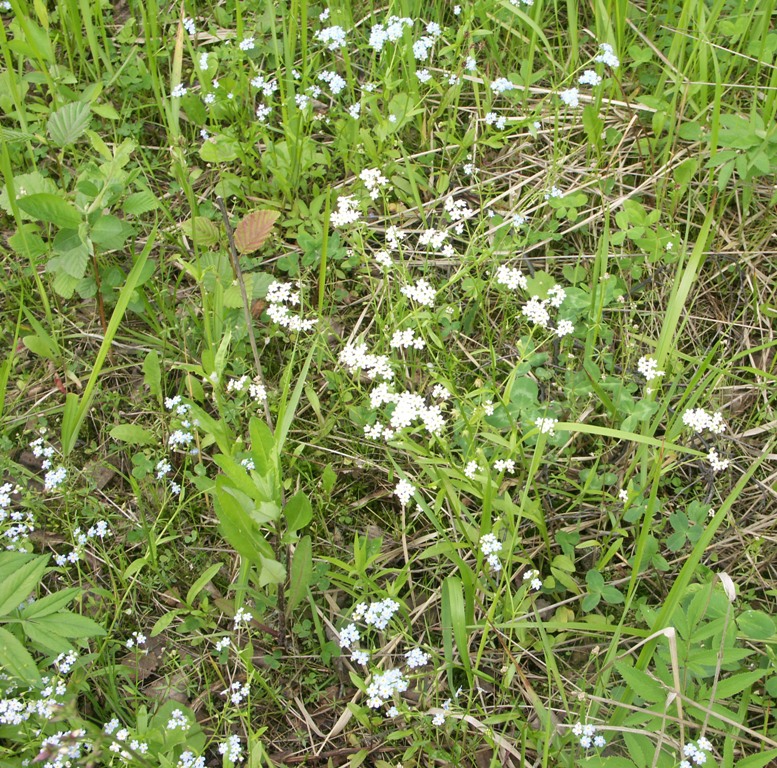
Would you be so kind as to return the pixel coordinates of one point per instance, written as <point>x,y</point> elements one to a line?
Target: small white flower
<point>648,367</point>
<point>404,491</point>
<point>570,97</point>
<point>471,469</point>
<point>546,426</point>
<point>589,77</point>
<point>348,636</point>
<point>416,658</point>
<point>607,56</point>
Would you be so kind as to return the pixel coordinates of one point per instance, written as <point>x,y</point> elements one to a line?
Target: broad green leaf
<point>202,231</point>
<point>219,149</point>
<point>51,603</point>
<point>65,285</point>
<point>52,209</point>
<point>298,511</point>
<point>454,623</point>
<point>15,659</point>
<point>140,202</point>
<point>72,264</point>
<point>28,243</point>
<point>44,640</point>
<point>301,573</point>
<point>254,228</point>
<point>152,373</point>
<point>10,562</point>
<point>756,625</point>
<point>270,571</point>
<point>198,585</point>
<point>17,586</point>
<point>69,624</point>
<point>25,185</point>
<point>110,232</point>
<point>68,123</point>
<point>41,346</point>
<point>132,434</point>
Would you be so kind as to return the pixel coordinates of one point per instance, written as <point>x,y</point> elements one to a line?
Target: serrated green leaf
<point>15,659</point>
<point>757,761</point>
<point>67,124</point>
<point>110,232</point>
<point>51,209</point>
<point>730,686</point>
<point>17,586</point>
<point>140,202</point>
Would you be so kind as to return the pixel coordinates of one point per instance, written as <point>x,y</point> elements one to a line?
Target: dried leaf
<point>254,229</point>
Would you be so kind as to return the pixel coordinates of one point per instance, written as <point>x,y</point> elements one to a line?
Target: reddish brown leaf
<point>254,229</point>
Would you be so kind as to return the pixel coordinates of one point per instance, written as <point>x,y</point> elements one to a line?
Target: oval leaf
<point>133,434</point>
<point>15,659</point>
<point>51,208</point>
<point>254,229</point>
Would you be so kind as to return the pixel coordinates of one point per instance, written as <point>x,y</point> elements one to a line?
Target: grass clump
<point>387,386</point>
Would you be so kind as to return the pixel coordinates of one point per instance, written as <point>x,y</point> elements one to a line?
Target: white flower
<point>488,407</point>
<point>404,491</point>
<point>607,56</point>
<point>422,292</point>
<point>392,712</point>
<point>718,464</point>
<point>536,311</point>
<point>470,469</point>
<point>570,97</point>
<point>489,544</point>
<point>506,465</point>
<point>501,85</point>
<point>348,636</point>
<point>247,44</point>
<point>189,25</point>
<point>416,658</point>
<point>355,110</point>
<point>439,392</point>
<point>406,339</point>
<point>242,617</point>
<point>178,91</point>
<point>422,47</point>
<point>373,179</point>
<point>648,367</point>
<point>546,426</point>
<point>623,495</point>
<point>439,719</point>
<point>699,420</point>
<point>564,328</point>
<point>423,75</point>
<point>512,278</point>
<point>355,357</point>
<point>470,64</point>
<point>347,212</point>
<point>332,37</point>
<point>360,657</point>
<point>589,77</point>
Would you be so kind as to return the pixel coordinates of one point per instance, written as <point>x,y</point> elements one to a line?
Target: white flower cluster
<point>512,278</point>
<point>238,692</point>
<point>718,464</point>
<point>335,82</point>
<point>355,357</point>
<point>589,77</point>
<point>439,392</point>
<point>588,736</point>
<point>232,749</point>
<point>648,367</point>
<point>242,616</point>
<point>490,546</point>
<point>256,389</point>
<point>377,614</point>
<point>505,465</point>
<point>347,212</point>
<point>425,43</point>
<point>408,408</point>
<point>422,292</point>
<point>501,85</point>
<point>570,97</point>
<point>439,717</point>
<point>190,760</point>
<point>698,420</point>
<point>267,87</point>
<point>471,469</point>
<point>190,26</point>
<point>177,721</point>
<point>416,658</point>
<point>434,238</point>
<point>390,32</point>
<point>497,120</point>
<point>99,529</point>
<point>373,179</point>
<point>65,662</point>
<point>247,44</point>
<point>384,685</point>
<point>406,339</point>
<point>404,491</point>
<point>607,56</point>
<point>137,639</point>
<point>546,426</point>
<point>360,657</point>
<point>332,37</point>
<point>696,754</point>
<point>458,211</point>
<point>533,577</point>
<point>278,296</point>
